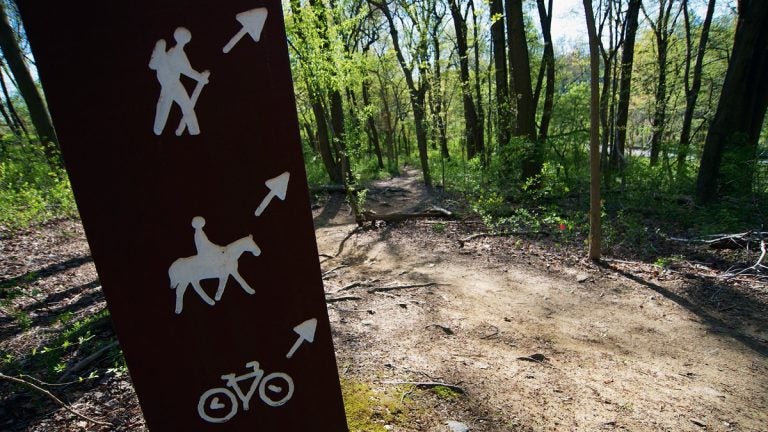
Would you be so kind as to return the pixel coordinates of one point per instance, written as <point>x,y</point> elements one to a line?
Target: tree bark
<point>38,113</point>
<point>662,30</point>
<point>522,92</point>
<point>595,237</point>
<point>728,161</point>
<point>692,91</point>
<point>548,65</point>
<point>417,94</point>
<point>473,130</point>
<point>503,102</point>
<point>373,133</point>
<point>438,96</point>
<point>479,132</point>
<point>625,84</point>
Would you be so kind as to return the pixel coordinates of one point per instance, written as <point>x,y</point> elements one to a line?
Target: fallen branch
<point>757,266</point>
<point>52,397</point>
<point>427,385</point>
<point>501,234</point>
<point>434,212</point>
<point>333,270</point>
<point>329,188</point>
<point>350,286</point>
<point>347,237</point>
<point>445,329</point>
<point>398,287</point>
<point>726,241</point>
<point>82,364</point>
<point>342,298</point>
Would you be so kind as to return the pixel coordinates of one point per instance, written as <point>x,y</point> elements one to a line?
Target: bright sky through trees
<point>568,25</point>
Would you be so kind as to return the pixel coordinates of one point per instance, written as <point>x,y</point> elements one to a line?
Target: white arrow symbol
<point>306,332</point>
<point>278,187</point>
<point>252,22</point>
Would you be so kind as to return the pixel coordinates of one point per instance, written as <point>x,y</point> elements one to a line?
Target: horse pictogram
<point>211,262</point>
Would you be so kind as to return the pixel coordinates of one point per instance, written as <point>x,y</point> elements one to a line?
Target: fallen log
<point>434,212</point>
<point>427,385</point>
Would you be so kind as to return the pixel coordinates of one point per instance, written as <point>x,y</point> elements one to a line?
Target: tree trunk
<point>438,95</point>
<point>339,135</point>
<point>548,64</point>
<point>479,134</point>
<point>595,237</point>
<point>38,113</point>
<point>324,143</point>
<point>520,66</point>
<point>473,130</point>
<point>503,103</point>
<point>417,95</point>
<point>728,161</point>
<point>692,92</point>
<point>625,84</point>
<point>373,133</point>
<point>662,29</point>
<point>12,116</point>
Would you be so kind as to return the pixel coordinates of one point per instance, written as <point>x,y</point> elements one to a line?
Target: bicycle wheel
<point>210,402</point>
<point>273,392</point>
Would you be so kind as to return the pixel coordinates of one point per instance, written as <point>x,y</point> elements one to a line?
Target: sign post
<point>178,127</point>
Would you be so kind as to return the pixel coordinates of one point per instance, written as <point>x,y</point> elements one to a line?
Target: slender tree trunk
<point>520,66</point>
<point>438,95</point>
<point>390,128</point>
<point>605,97</point>
<point>692,92</point>
<point>473,130</point>
<point>595,238</point>
<point>662,30</point>
<point>548,64</point>
<point>10,115</point>
<point>324,143</point>
<point>503,102</point>
<point>479,135</point>
<point>625,84</point>
<point>728,161</point>
<point>417,94</point>
<point>373,133</point>
<point>38,113</point>
<point>339,134</point>
<point>326,136</point>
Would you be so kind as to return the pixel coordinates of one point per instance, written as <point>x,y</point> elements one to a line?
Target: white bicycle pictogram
<point>275,389</point>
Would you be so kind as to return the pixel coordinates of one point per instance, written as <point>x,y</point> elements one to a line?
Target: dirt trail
<point>620,352</point>
<point>537,337</point>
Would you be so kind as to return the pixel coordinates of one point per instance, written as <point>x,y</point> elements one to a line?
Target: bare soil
<point>535,336</point>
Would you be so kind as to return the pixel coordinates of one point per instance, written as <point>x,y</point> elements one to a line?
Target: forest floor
<point>522,331</point>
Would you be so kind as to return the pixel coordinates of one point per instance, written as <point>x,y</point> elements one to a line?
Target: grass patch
<point>444,392</point>
<point>370,410</point>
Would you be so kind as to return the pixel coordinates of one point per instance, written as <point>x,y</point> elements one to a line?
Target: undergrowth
<point>31,191</point>
<point>641,209</point>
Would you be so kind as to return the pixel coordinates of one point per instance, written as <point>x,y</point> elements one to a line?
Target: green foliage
<point>13,289</point>
<point>77,335</point>
<point>316,173</point>
<point>447,393</point>
<point>31,191</point>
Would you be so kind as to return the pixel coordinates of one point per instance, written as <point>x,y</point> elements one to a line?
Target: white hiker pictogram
<point>170,65</point>
<point>211,262</point>
<point>252,22</point>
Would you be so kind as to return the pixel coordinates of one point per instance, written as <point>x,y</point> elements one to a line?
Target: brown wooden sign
<point>178,127</point>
